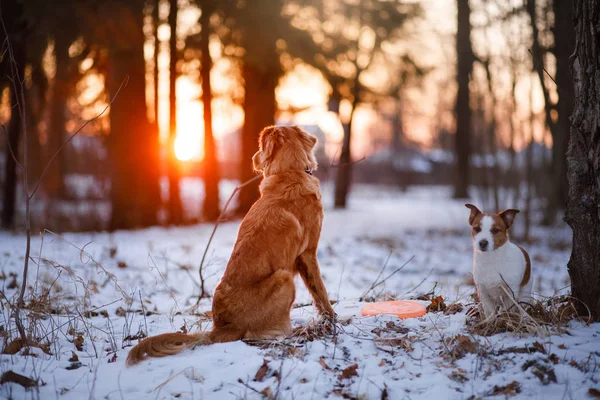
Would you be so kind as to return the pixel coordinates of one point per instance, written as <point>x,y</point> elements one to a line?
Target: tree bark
<point>465,58</point>
<point>210,209</point>
<point>583,158</point>
<point>174,173</point>
<point>132,143</point>
<point>259,112</point>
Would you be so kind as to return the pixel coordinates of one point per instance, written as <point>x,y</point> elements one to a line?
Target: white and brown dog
<point>500,268</point>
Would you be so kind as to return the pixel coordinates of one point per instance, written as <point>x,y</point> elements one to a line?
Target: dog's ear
<point>270,141</point>
<point>474,213</point>
<point>306,137</point>
<point>508,216</point>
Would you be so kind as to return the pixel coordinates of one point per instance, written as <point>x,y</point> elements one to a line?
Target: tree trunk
<point>9,197</point>
<point>564,44</point>
<point>210,208</point>
<point>133,144</point>
<point>583,157</point>
<point>259,112</point>
<point>342,184</point>
<point>156,22</point>
<point>54,182</point>
<point>175,207</point>
<point>464,56</point>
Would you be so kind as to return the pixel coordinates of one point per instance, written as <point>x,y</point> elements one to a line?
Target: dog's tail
<point>164,345</point>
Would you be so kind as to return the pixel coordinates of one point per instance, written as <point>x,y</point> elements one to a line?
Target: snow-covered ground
<point>120,284</point>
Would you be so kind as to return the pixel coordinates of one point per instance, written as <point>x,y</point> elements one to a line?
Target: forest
<point>127,135</point>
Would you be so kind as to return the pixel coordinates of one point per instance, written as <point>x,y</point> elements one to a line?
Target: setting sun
<point>190,131</point>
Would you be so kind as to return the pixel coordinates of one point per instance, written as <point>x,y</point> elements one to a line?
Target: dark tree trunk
<point>464,56</point>
<point>210,209</point>
<point>9,197</point>
<point>259,112</point>
<point>156,22</point>
<point>132,143</point>
<point>342,184</point>
<point>175,208</point>
<point>583,157</point>
<point>54,181</point>
<point>564,44</point>
<point>11,13</point>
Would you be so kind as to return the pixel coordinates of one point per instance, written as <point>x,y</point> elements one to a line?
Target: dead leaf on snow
<point>389,344</point>
<point>453,309</point>
<point>349,372</point>
<point>459,375</point>
<point>10,376</point>
<point>512,389</point>
<point>262,371</point>
<point>78,342</point>
<point>16,345</point>
<point>595,393</point>
<point>540,347</point>
<point>437,304</point>
<point>267,392</point>
<point>323,363</point>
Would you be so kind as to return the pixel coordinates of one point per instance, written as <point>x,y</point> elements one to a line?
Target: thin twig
<point>221,218</point>
<point>544,68</point>
<point>123,84</point>
<point>378,276</point>
<point>350,163</point>
<point>390,275</point>
<point>23,116</point>
<point>144,311</point>
<point>12,153</point>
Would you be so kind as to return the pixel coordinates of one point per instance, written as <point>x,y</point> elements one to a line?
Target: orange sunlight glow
<point>189,141</point>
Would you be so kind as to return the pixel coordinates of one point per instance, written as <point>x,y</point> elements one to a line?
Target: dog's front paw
<point>328,322</point>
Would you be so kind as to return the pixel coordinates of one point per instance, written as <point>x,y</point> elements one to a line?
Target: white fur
<point>497,272</point>
<point>486,226</point>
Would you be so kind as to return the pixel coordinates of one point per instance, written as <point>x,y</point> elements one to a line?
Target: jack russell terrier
<point>500,268</point>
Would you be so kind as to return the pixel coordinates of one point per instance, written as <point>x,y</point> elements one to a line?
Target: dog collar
<point>308,171</point>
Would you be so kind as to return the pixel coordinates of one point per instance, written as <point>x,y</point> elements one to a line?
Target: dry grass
<point>544,316</point>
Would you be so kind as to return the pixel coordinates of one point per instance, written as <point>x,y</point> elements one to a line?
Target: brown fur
<point>527,274</point>
<point>499,231</point>
<point>277,239</point>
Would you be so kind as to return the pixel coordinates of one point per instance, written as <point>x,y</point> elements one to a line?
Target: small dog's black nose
<point>483,244</point>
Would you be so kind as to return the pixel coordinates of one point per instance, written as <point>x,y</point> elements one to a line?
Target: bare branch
<point>123,84</point>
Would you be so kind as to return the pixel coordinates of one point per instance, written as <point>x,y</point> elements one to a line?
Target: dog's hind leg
<point>272,301</point>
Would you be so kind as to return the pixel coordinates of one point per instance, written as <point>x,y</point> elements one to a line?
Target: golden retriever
<point>277,239</point>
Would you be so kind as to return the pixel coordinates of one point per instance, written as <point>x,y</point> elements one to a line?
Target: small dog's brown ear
<point>474,212</point>
<point>508,216</point>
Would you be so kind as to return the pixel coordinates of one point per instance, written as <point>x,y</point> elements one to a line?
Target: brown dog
<point>277,239</point>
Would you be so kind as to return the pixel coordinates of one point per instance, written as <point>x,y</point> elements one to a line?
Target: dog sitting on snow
<point>501,270</point>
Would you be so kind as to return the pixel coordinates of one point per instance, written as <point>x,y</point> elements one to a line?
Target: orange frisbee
<point>400,308</point>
